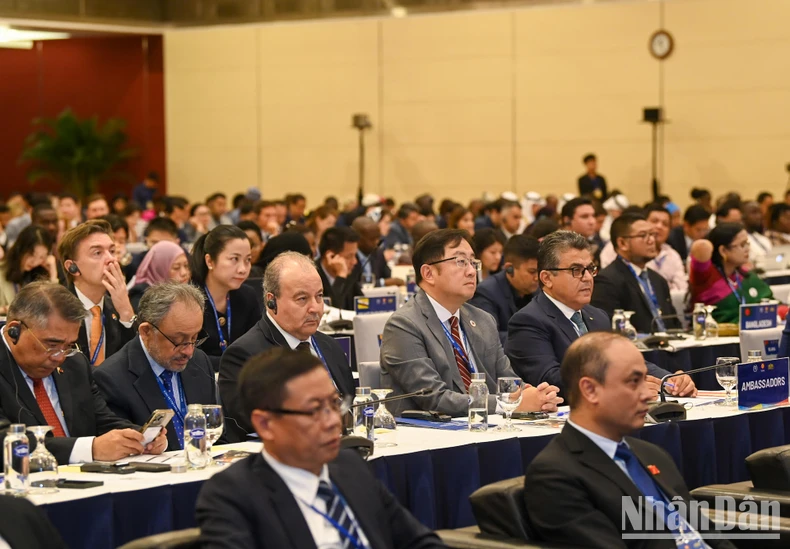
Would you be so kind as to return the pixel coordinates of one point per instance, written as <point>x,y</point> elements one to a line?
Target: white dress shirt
<point>304,487</point>
<point>292,341</point>
<point>760,245</point>
<point>88,304</point>
<point>82,451</point>
<point>667,263</point>
<point>567,311</point>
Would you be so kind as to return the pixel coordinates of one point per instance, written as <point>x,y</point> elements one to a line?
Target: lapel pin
<point>114,316</point>
<point>472,324</point>
<point>60,370</point>
<point>653,470</point>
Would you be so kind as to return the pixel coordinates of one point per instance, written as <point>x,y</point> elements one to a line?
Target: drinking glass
<point>629,331</point>
<point>43,466</point>
<point>509,391</point>
<point>727,376</point>
<point>215,424</point>
<point>368,281</point>
<point>383,421</point>
<point>711,326</point>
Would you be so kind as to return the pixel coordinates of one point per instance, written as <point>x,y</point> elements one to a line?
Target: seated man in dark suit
<point>512,288</point>
<point>162,368</point>
<point>88,254</point>
<point>370,255</point>
<point>540,333</point>
<point>300,491</point>
<point>696,225</point>
<point>437,340</point>
<point>338,249</point>
<point>400,231</point>
<point>579,488</point>
<point>45,380</point>
<point>628,284</point>
<point>23,525</point>
<point>294,306</point>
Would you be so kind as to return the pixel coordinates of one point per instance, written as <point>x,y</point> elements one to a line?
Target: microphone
<point>731,362</point>
<point>370,256</point>
<point>674,331</point>
<point>342,323</point>
<point>421,392</point>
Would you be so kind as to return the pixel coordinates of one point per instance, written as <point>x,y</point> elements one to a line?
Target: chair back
<point>370,375</point>
<point>764,340</point>
<point>367,332</point>
<point>179,539</point>
<point>500,510</point>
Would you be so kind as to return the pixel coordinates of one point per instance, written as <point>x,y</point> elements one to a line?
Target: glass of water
<point>215,424</point>
<point>509,391</point>
<point>727,376</point>
<point>368,281</point>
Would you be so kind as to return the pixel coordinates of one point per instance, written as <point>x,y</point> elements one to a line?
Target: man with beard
<point>294,299</point>
<point>162,367</point>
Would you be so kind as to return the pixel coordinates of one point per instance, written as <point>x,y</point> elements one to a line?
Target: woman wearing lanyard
<point>719,272</point>
<point>220,265</point>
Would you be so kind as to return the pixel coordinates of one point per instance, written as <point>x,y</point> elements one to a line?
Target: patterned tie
<point>96,332</point>
<point>337,510</point>
<point>654,310</point>
<point>461,359</point>
<point>577,320</point>
<point>178,423</point>
<point>46,408</point>
<point>304,347</point>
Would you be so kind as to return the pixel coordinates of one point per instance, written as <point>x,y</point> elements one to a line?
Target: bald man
<point>370,255</point>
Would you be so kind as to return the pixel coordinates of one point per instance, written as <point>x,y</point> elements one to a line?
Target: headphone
<point>14,331</point>
<point>73,268</point>
<point>510,270</point>
<point>272,304</point>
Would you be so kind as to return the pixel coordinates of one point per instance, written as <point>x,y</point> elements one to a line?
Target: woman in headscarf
<point>164,261</point>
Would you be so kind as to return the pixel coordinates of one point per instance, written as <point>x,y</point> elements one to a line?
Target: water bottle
<point>699,316</point>
<point>754,356</point>
<point>618,321</point>
<point>16,459</point>
<point>195,437</point>
<point>478,403</point>
<point>363,415</point>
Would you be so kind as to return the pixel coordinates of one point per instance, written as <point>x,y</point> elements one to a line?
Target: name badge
<point>763,384</point>
<point>758,317</point>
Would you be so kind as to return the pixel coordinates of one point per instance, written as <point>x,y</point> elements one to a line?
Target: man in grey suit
<point>437,340</point>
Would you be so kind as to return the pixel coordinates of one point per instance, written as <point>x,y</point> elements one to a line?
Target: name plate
<point>763,384</point>
<point>380,304</point>
<point>758,317</point>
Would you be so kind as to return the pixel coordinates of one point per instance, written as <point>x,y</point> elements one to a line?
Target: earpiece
<point>510,270</point>
<point>14,331</point>
<point>73,269</point>
<point>271,304</point>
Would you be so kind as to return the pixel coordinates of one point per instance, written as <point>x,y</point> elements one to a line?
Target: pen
<point>562,414</point>
<point>670,385</point>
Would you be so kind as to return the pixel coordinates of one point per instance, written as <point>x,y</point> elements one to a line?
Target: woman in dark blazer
<point>221,261</point>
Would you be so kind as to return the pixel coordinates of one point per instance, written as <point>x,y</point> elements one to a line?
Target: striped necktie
<point>461,358</point>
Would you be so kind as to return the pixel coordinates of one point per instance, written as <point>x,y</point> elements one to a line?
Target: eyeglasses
<point>461,261</point>
<point>643,236</point>
<point>577,271</point>
<point>183,346</point>
<point>55,352</point>
<point>337,405</point>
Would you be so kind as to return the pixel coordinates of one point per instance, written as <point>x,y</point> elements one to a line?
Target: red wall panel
<point>109,77</point>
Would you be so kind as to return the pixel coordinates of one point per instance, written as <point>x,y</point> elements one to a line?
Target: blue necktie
<point>644,281</point>
<point>176,422</point>
<point>337,510</point>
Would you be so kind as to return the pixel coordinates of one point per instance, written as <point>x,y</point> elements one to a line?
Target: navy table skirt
<point>695,357</point>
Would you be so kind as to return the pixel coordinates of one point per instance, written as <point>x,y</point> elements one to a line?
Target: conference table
<point>431,471</point>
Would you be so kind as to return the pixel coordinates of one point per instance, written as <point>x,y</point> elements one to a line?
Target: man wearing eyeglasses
<point>46,380</point>
<point>540,333</point>
<point>628,284</point>
<point>437,340</point>
<point>162,367</point>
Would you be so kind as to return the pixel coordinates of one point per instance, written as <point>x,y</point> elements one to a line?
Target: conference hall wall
<point>486,100</point>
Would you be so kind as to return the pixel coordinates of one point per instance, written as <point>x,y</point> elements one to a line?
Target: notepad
<point>449,426</point>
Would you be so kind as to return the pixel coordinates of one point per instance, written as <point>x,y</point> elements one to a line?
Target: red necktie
<point>461,358</point>
<point>46,408</point>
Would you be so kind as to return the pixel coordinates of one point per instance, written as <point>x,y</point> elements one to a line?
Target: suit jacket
<point>539,335</point>
<point>25,526</point>
<point>84,410</point>
<point>245,312</point>
<point>616,287</point>
<point>398,235</point>
<point>494,295</point>
<point>587,186</point>
<point>378,266</point>
<point>116,334</point>
<point>263,336</point>
<point>573,492</point>
<point>416,354</point>
<point>136,294</point>
<point>130,389</point>
<point>249,506</point>
<point>343,290</point>
<point>677,239</point>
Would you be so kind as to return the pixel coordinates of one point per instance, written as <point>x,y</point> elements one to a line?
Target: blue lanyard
<point>98,345</point>
<point>181,411</point>
<point>321,357</point>
<point>223,344</point>
<point>647,287</point>
<point>355,541</point>
<point>736,288</point>
<point>461,352</point>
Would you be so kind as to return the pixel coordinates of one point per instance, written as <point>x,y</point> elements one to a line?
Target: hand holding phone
<point>155,423</point>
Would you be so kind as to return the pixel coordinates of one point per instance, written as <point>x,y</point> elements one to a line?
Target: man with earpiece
<point>294,299</point>
<point>45,380</point>
<point>88,254</point>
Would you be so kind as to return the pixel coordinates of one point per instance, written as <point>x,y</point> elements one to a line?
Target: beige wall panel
<point>214,128</point>
<point>318,85</point>
<point>312,125</point>
<point>318,43</point>
<point>198,172</point>
<point>210,48</point>
<point>211,90</point>
<point>446,80</point>
<point>724,22</point>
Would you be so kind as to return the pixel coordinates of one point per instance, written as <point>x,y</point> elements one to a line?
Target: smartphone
<point>111,468</point>
<point>152,427</point>
<point>78,484</point>
<point>530,415</point>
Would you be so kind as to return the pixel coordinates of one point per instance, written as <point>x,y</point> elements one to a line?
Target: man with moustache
<point>294,300</point>
<point>162,367</point>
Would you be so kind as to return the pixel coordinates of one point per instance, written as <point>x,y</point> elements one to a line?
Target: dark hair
<point>431,247</point>
<point>164,224</point>
<point>544,226</point>
<point>763,195</point>
<point>484,238</point>
<point>294,198</point>
<point>67,248</point>
<point>694,214</point>
<point>41,208</point>
<point>777,210</point>
<point>238,197</point>
<point>116,223</point>
<point>586,357</point>
<point>194,208</point>
<point>724,209</point>
<point>260,205</point>
<point>335,238</point>
<point>569,209</point>
<point>215,196</point>
<point>130,208</point>
<point>38,300</point>
<point>212,243</point>
<point>321,212</point>
<point>697,193</point>
<point>69,196</point>
<point>455,216</point>
<point>246,206</point>
<point>407,208</point>
<point>588,157</point>
<point>555,244</point>
<point>622,226</point>
<point>263,379</point>
<point>36,199</point>
<point>722,235</point>
<point>95,198</point>
<point>520,248</point>
<point>30,237</point>
<point>173,202</point>
<point>656,207</point>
